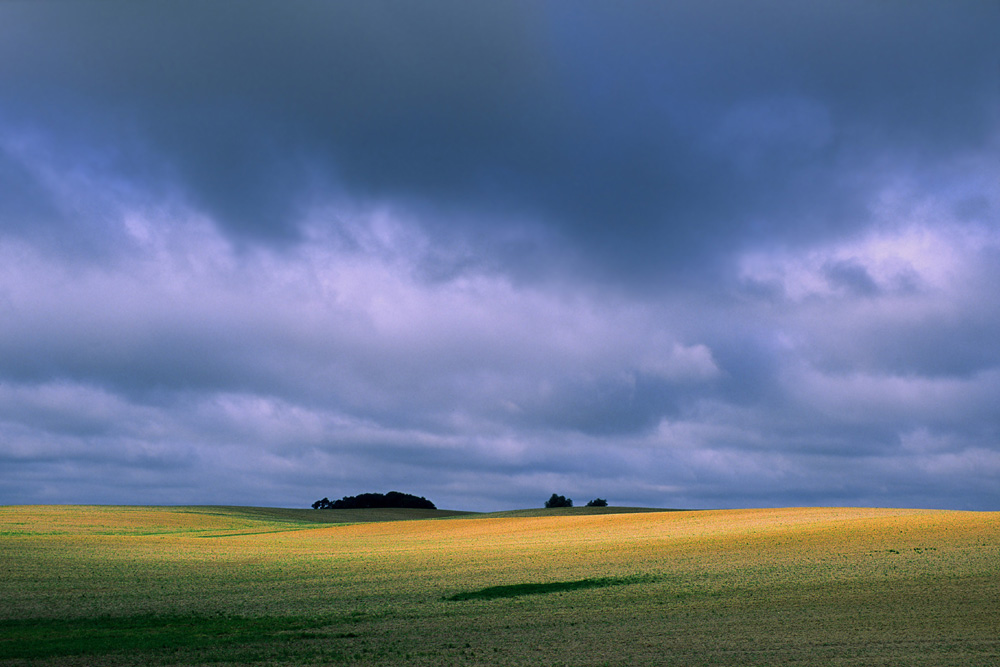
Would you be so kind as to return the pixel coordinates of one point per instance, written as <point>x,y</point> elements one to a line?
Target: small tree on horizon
<point>558,501</point>
<point>598,502</point>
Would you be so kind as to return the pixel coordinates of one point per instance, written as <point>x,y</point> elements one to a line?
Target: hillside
<point>211,585</point>
<point>395,514</point>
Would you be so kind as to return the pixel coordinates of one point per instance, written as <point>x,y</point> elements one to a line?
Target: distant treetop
<point>369,500</point>
<point>559,501</point>
<point>598,502</point>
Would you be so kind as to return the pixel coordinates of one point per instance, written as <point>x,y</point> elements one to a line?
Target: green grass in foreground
<point>47,638</point>
<point>231,586</point>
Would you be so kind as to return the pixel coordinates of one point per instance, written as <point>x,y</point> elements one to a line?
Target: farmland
<point>230,585</point>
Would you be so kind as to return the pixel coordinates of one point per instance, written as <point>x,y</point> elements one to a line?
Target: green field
<point>236,585</point>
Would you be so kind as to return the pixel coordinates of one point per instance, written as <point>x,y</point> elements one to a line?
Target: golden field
<point>214,585</point>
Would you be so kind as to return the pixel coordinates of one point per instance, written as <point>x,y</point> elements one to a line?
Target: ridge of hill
<point>209,519</point>
<point>369,515</point>
<point>570,511</point>
<point>295,515</point>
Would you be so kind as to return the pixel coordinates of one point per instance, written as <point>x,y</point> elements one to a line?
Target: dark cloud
<point>699,254</point>
<point>647,135</point>
<point>24,204</point>
<point>850,276</point>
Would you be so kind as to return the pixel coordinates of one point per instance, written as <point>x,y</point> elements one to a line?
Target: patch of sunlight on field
<point>810,586</point>
<point>78,520</point>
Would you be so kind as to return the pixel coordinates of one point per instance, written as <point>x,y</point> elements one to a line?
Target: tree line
<point>562,501</point>
<point>409,501</point>
<point>375,500</point>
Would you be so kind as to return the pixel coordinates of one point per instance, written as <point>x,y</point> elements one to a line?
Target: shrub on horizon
<point>558,501</point>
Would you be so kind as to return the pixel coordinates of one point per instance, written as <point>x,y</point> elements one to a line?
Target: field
<point>230,585</point>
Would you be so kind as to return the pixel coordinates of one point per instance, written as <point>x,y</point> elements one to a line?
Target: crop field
<point>232,585</point>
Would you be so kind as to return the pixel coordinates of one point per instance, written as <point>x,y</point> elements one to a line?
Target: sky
<point>697,254</point>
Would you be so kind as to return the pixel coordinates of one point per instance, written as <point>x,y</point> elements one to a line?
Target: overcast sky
<point>691,254</point>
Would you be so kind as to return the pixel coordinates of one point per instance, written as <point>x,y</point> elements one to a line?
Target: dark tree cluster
<point>369,500</point>
<point>558,501</point>
<point>562,501</point>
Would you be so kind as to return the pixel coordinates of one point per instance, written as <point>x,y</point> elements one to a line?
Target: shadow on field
<point>516,590</point>
<point>32,639</point>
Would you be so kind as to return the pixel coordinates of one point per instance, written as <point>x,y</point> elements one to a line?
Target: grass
<point>47,638</point>
<point>212,585</point>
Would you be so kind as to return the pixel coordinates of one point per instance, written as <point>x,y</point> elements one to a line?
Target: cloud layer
<point>692,257</point>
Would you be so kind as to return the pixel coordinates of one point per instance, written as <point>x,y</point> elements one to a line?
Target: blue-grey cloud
<point>699,255</point>
<point>640,132</point>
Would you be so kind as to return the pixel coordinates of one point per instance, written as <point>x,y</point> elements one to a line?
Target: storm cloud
<point>701,255</point>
